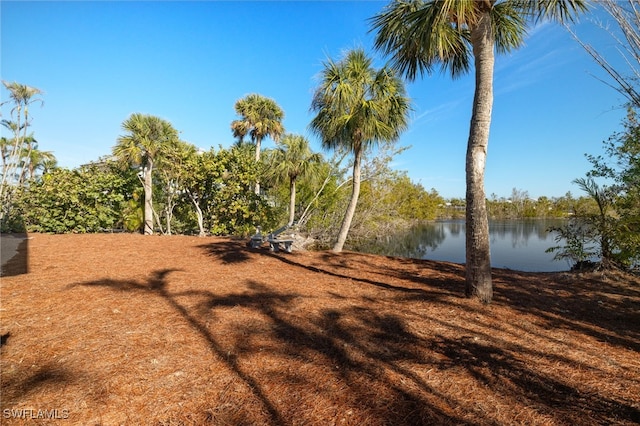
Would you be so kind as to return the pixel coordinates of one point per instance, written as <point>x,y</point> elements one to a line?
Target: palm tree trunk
<point>478,255</point>
<point>351,209</point>
<point>258,141</point>
<point>148,200</point>
<point>292,201</point>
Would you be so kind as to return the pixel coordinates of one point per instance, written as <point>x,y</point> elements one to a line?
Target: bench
<point>274,244</point>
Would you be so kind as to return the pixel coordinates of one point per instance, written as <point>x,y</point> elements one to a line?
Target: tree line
<point>359,110</point>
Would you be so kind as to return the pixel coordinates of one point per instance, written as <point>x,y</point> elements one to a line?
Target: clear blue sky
<point>189,62</point>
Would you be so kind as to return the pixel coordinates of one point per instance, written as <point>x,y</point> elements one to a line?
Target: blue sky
<point>189,62</point>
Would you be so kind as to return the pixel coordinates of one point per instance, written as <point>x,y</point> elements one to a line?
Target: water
<point>515,244</point>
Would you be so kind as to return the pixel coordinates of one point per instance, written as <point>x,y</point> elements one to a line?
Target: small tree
<point>88,199</point>
<point>290,161</point>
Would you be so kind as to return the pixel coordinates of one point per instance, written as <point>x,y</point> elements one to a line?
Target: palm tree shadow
<point>228,252</point>
<point>156,284</point>
<point>436,288</point>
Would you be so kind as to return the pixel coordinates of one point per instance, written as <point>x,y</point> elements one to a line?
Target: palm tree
<point>291,160</point>
<point>21,96</point>
<point>145,137</point>
<point>261,117</point>
<point>40,160</point>
<point>357,107</point>
<point>420,34</point>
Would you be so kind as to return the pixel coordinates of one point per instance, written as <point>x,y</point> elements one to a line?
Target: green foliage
<point>89,199</point>
<point>132,214</point>
<point>389,202</point>
<point>235,208</point>
<point>578,243</point>
<point>614,225</point>
<point>220,184</point>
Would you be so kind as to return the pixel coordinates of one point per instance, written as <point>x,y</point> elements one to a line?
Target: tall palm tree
<point>291,160</point>
<point>421,34</point>
<point>21,96</point>
<point>145,138</point>
<point>357,106</point>
<point>261,117</point>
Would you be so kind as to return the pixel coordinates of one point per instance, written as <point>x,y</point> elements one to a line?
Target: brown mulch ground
<point>125,329</point>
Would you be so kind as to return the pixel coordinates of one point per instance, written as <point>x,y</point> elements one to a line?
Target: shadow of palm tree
<point>376,355</point>
<point>607,311</point>
<point>227,251</point>
<point>156,284</point>
<point>51,374</point>
<point>433,287</point>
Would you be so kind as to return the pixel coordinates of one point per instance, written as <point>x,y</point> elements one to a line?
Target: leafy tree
<point>603,223</point>
<point>621,165</point>
<point>204,176</point>
<point>218,185</point>
<point>89,199</point>
<point>142,144</point>
<point>172,171</point>
<point>289,162</point>
<point>421,34</point>
<point>234,208</point>
<point>578,244</point>
<point>261,117</point>
<point>357,107</point>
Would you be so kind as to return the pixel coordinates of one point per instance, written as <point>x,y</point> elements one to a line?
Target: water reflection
<point>416,243</point>
<point>515,244</point>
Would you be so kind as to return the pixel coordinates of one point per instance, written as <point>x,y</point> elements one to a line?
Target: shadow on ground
<point>14,251</point>
<point>364,357</point>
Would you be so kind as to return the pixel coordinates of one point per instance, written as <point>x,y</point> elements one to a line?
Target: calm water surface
<point>515,244</point>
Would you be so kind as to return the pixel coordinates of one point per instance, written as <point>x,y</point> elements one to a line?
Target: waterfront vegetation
<point>213,193</point>
<point>153,182</point>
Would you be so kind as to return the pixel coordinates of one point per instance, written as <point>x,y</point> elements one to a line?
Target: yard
<point>114,329</point>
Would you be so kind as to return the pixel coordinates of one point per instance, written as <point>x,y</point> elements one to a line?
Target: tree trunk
<point>292,201</point>
<point>258,143</point>
<point>198,214</point>
<point>148,201</point>
<point>478,255</point>
<point>351,209</point>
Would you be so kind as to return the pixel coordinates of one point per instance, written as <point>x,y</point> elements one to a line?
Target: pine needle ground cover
<point>117,329</point>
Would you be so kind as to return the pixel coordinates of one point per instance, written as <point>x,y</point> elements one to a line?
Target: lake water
<point>515,244</point>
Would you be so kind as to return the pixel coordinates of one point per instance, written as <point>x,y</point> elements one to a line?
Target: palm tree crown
<point>145,136</point>
<point>261,117</point>
<point>422,34</point>
<point>358,106</point>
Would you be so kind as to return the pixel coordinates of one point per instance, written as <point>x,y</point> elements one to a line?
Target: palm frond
<point>420,35</point>
<point>553,10</point>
